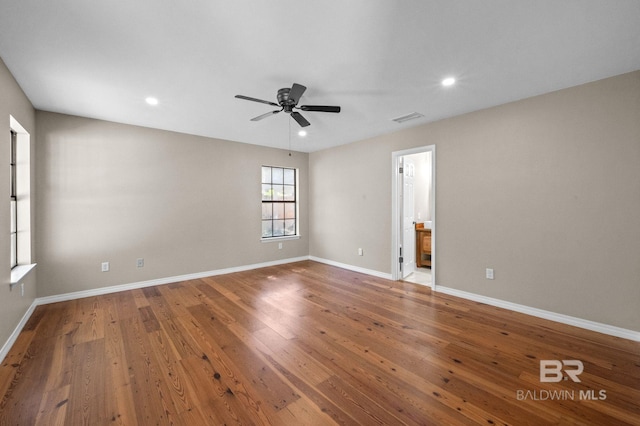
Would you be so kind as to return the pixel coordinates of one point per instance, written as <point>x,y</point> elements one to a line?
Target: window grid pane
<point>289,211</point>
<point>290,227</point>
<point>267,192</point>
<point>279,204</point>
<point>267,211</point>
<point>277,174</point>
<point>266,174</point>
<point>14,246</point>
<point>267,229</point>
<point>14,221</point>
<point>278,192</point>
<point>278,228</point>
<point>289,192</point>
<point>289,177</point>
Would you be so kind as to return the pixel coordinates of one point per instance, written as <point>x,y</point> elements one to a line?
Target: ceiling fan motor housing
<point>284,101</point>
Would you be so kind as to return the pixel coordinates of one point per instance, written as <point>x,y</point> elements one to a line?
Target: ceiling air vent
<point>408,117</point>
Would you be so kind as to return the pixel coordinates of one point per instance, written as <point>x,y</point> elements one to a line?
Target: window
<point>279,202</point>
<point>14,201</point>
<point>20,201</point>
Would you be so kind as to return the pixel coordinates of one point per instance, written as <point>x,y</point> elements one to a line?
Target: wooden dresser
<point>423,246</point>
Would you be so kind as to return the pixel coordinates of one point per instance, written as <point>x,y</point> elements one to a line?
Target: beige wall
<point>545,190</point>
<point>350,204</point>
<point>12,102</point>
<point>114,192</point>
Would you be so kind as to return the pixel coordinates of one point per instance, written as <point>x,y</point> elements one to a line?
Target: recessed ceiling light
<point>152,101</point>
<point>449,81</point>
<point>302,133</point>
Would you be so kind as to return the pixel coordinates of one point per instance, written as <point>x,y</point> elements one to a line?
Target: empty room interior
<point>318,213</point>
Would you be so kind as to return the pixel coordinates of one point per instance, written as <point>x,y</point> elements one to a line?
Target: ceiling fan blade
<point>300,119</point>
<point>321,108</point>
<point>296,92</point>
<point>247,98</point>
<point>265,115</point>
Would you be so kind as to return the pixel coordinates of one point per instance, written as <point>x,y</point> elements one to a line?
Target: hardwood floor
<point>307,344</point>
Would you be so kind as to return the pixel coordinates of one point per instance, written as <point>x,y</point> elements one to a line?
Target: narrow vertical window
<point>20,201</point>
<point>14,201</point>
<point>279,202</point>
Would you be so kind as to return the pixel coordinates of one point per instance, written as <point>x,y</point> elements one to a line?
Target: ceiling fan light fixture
<point>412,116</point>
<point>151,100</point>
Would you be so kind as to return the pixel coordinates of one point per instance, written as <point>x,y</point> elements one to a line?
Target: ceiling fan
<point>288,101</point>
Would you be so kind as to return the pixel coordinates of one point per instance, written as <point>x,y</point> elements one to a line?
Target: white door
<point>408,219</point>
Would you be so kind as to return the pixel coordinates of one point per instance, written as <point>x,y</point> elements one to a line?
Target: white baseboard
<point>131,286</point>
<point>541,313</point>
<point>352,268</point>
<point>16,332</point>
<point>561,318</point>
<point>160,281</point>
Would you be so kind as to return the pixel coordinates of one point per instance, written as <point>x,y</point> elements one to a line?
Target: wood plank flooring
<point>307,344</point>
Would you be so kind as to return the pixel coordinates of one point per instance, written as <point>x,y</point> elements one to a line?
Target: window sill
<point>274,239</point>
<point>19,272</point>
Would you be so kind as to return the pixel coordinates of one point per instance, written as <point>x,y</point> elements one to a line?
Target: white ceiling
<point>377,59</point>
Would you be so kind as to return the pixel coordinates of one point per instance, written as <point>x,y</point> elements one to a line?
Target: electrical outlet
<point>140,262</point>
<point>105,266</point>
<point>279,246</point>
<point>489,273</point>
<point>360,252</point>
<point>22,289</point>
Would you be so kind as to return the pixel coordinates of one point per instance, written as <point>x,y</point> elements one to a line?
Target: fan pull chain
<point>289,135</point>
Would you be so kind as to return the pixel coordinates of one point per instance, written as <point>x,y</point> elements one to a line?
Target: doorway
<point>413,204</point>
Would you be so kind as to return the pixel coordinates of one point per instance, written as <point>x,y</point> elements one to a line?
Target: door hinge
<point>400,170</point>
<point>401,260</point>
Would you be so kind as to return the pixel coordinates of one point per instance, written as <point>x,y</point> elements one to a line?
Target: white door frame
<point>396,217</point>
